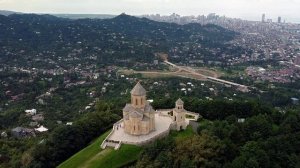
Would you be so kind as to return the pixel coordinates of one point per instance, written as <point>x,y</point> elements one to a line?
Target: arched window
<point>136,101</point>
<point>141,101</point>
<point>175,118</point>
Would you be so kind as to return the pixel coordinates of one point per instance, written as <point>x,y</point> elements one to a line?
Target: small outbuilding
<point>3,134</point>
<point>31,112</point>
<point>20,132</point>
<point>41,129</point>
<point>295,101</point>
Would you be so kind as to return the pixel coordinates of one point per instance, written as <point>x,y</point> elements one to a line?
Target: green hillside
<point>93,156</point>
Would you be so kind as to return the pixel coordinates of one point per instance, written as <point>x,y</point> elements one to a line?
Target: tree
<point>203,150</point>
<point>257,127</point>
<point>67,140</point>
<point>251,156</point>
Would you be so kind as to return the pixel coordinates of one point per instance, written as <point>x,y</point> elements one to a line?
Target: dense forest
<point>266,138</point>
<point>63,141</point>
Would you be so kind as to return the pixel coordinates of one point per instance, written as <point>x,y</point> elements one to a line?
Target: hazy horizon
<point>244,9</point>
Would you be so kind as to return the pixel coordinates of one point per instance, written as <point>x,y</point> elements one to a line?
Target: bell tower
<point>179,115</point>
<point>179,104</point>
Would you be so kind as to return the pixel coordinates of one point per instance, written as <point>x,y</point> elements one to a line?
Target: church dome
<point>179,102</point>
<point>138,90</point>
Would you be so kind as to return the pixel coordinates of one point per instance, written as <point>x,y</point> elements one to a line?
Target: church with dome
<point>138,115</point>
<point>142,124</point>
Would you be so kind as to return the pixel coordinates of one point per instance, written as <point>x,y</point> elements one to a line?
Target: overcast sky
<point>246,9</point>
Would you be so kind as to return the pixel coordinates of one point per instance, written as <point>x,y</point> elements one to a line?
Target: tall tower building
<point>279,19</point>
<point>263,18</point>
<point>297,60</point>
<point>179,115</point>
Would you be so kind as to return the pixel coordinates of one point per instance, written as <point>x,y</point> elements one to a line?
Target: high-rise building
<point>263,17</point>
<point>211,16</point>
<point>279,19</point>
<point>297,60</point>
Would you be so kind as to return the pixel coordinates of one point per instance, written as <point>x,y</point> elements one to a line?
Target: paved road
<point>194,72</point>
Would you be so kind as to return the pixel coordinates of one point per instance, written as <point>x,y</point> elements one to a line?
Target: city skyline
<point>243,9</point>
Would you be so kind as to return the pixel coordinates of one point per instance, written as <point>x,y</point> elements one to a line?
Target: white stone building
<point>31,112</point>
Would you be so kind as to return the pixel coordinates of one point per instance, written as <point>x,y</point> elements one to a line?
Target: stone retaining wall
<point>104,143</point>
<point>159,136</point>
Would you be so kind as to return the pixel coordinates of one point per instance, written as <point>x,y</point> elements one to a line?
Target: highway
<point>193,72</point>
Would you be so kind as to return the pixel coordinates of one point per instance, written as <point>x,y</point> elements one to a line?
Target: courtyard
<point>162,127</point>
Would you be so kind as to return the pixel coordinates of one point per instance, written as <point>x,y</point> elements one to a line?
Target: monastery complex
<point>141,124</point>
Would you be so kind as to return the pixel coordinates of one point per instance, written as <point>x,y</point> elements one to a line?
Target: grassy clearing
<point>94,157</point>
<point>116,158</point>
<point>188,132</point>
<point>208,72</point>
<point>157,75</point>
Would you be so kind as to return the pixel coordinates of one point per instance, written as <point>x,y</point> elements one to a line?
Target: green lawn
<point>115,158</point>
<point>183,133</point>
<point>93,156</point>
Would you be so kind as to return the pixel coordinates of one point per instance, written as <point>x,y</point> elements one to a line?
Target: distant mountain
<point>122,37</point>
<point>69,16</point>
<point>6,13</point>
<point>146,28</point>
<point>85,16</point>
